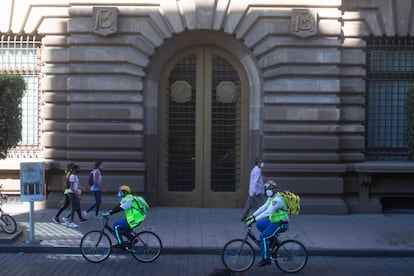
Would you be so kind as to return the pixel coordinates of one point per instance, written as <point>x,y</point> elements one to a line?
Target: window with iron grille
<point>20,55</point>
<point>390,71</point>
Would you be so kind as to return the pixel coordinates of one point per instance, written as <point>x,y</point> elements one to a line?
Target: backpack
<point>292,202</point>
<point>67,184</point>
<point>90,179</point>
<point>142,204</point>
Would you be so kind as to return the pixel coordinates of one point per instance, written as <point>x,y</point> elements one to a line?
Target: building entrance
<point>203,123</point>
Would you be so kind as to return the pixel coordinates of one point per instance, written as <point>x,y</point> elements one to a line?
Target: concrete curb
<point>214,251</point>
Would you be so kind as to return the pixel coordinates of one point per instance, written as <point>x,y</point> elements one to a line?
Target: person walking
<point>74,194</point>
<point>96,187</point>
<point>68,172</point>
<point>256,190</point>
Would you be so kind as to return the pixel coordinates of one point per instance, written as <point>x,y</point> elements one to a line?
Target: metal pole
<point>32,229</point>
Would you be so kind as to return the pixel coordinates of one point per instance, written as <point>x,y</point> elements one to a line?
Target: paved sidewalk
<point>196,230</point>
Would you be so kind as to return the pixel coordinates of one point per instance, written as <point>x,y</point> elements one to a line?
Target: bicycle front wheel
<point>238,255</point>
<point>95,246</point>
<point>290,256</point>
<point>146,246</point>
<point>9,225</point>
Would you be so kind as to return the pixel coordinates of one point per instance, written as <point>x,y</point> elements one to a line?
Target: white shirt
<point>97,180</point>
<point>126,203</point>
<point>271,205</point>
<point>256,182</point>
<point>74,178</point>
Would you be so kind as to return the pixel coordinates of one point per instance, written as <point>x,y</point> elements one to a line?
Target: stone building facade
<point>179,96</point>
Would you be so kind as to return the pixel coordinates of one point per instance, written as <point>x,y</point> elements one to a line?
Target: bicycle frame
<point>110,230</point>
<point>2,223</point>
<point>273,242</point>
<point>1,217</point>
<point>7,222</point>
<point>105,227</point>
<point>250,235</point>
<point>3,198</point>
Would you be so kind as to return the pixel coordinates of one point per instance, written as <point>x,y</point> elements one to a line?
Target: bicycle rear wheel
<point>290,256</point>
<point>95,246</point>
<point>238,255</point>
<point>10,225</point>
<point>146,246</point>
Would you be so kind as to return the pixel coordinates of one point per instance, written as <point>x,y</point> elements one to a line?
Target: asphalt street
<point>33,264</point>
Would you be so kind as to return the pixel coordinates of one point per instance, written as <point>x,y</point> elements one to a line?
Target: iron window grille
<point>21,55</point>
<point>389,72</point>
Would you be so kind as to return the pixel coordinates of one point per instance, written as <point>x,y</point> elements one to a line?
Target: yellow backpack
<point>292,202</point>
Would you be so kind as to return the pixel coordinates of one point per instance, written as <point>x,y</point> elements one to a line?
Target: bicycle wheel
<point>290,256</point>
<point>95,246</point>
<point>146,246</point>
<point>238,255</point>
<point>10,225</point>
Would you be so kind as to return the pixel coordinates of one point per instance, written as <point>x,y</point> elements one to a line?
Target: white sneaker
<point>85,214</point>
<point>66,220</point>
<point>72,225</point>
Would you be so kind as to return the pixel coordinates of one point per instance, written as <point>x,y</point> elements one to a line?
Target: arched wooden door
<point>203,121</point>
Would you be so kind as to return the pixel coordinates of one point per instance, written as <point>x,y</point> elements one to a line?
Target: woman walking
<point>74,194</point>
<point>96,188</point>
<point>68,172</point>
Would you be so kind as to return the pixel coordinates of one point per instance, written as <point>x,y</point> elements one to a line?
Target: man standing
<point>256,190</point>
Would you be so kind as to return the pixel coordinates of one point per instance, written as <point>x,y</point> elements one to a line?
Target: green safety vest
<point>279,215</point>
<point>133,215</point>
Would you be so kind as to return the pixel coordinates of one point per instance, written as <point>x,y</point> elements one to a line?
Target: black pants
<point>74,200</point>
<point>65,205</point>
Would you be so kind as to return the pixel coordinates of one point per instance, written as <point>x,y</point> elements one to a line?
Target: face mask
<point>120,194</point>
<point>269,193</point>
<point>261,165</point>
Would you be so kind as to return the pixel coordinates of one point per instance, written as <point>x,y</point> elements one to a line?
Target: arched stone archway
<point>160,59</point>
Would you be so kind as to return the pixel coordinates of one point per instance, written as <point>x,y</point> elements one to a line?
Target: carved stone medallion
<point>180,92</point>
<point>106,20</point>
<point>304,23</point>
<point>226,92</point>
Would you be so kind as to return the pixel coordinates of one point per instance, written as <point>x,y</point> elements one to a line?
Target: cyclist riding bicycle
<point>135,208</point>
<point>272,218</point>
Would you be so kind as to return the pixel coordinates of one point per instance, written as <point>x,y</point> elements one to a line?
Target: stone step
<point>10,238</point>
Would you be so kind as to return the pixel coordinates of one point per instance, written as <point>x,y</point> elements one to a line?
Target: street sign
<point>32,182</point>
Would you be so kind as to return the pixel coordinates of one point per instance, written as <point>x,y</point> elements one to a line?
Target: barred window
<point>21,55</point>
<point>390,71</point>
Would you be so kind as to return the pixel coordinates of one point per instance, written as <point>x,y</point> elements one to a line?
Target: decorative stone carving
<point>226,92</point>
<point>180,92</point>
<point>106,20</point>
<point>304,23</point>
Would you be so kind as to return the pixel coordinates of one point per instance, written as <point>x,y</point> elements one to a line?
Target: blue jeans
<point>97,204</point>
<point>269,230</point>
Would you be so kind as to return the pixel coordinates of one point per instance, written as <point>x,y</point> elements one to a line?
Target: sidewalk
<point>196,230</point>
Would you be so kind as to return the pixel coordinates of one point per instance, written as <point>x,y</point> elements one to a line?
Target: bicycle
<point>7,222</point>
<point>289,255</point>
<point>96,245</point>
